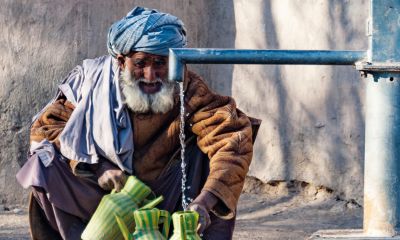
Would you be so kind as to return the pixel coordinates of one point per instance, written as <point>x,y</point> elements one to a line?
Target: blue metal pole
<point>382,124</point>
<point>180,56</point>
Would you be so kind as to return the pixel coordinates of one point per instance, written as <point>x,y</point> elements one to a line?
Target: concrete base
<point>345,234</point>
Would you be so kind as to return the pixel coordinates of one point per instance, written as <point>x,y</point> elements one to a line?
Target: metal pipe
<point>180,56</point>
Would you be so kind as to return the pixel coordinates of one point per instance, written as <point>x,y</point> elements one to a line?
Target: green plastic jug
<point>103,225</point>
<point>185,225</point>
<point>147,222</point>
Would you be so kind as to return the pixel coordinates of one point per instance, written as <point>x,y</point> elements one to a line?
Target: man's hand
<point>204,216</point>
<point>202,205</point>
<point>110,177</point>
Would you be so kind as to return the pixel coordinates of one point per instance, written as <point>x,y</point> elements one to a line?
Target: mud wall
<point>313,127</point>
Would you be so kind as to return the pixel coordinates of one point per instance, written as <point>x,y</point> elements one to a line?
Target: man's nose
<point>150,73</point>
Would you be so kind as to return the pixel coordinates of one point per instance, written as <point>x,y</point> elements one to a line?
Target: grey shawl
<point>100,125</point>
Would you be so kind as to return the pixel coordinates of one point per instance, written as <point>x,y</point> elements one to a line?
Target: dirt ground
<point>279,210</point>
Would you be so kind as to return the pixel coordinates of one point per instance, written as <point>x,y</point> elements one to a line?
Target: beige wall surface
<point>313,118</point>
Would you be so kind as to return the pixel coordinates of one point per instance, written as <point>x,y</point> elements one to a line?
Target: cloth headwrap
<point>146,30</point>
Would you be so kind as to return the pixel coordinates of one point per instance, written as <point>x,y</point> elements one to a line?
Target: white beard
<point>140,102</point>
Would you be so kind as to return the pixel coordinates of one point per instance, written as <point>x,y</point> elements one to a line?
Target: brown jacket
<point>223,132</point>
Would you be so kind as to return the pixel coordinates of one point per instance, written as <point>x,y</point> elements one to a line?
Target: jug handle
<point>149,198</point>
<point>153,203</point>
<point>166,220</point>
<point>182,226</point>
<point>123,227</point>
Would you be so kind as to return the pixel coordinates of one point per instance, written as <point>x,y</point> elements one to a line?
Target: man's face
<point>144,82</point>
<point>151,70</point>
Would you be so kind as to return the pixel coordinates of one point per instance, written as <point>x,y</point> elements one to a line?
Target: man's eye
<point>140,63</point>
<point>160,62</point>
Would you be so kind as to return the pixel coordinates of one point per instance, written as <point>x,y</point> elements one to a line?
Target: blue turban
<point>146,30</point>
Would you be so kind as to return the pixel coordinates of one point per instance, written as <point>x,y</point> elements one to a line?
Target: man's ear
<point>121,61</point>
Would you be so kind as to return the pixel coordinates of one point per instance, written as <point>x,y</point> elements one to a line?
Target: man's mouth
<point>150,88</point>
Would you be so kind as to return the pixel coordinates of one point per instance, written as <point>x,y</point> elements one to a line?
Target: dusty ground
<point>280,210</point>
<point>13,223</point>
<point>292,210</point>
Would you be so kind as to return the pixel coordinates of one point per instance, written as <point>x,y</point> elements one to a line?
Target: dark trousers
<point>65,202</point>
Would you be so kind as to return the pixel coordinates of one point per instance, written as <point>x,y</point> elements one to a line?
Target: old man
<point>118,115</point>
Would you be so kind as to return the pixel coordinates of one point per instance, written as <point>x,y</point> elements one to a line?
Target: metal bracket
<point>378,66</point>
<point>368,67</point>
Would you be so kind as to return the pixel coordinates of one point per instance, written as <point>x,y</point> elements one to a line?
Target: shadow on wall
<point>280,91</point>
<point>218,32</point>
<point>313,120</point>
<point>346,98</point>
<point>329,147</point>
<point>276,89</point>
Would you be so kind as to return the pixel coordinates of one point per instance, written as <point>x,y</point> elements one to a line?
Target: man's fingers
<point>201,226</point>
<point>119,181</point>
<point>105,183</point>
<point>117,184</point>
<point>204,217</point>
<point>112,179</point>
<point>205,221</point>
<point>123,179</point>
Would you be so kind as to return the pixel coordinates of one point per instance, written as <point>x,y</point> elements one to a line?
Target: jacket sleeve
<point>224,133</point>
<point>51,122</point>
